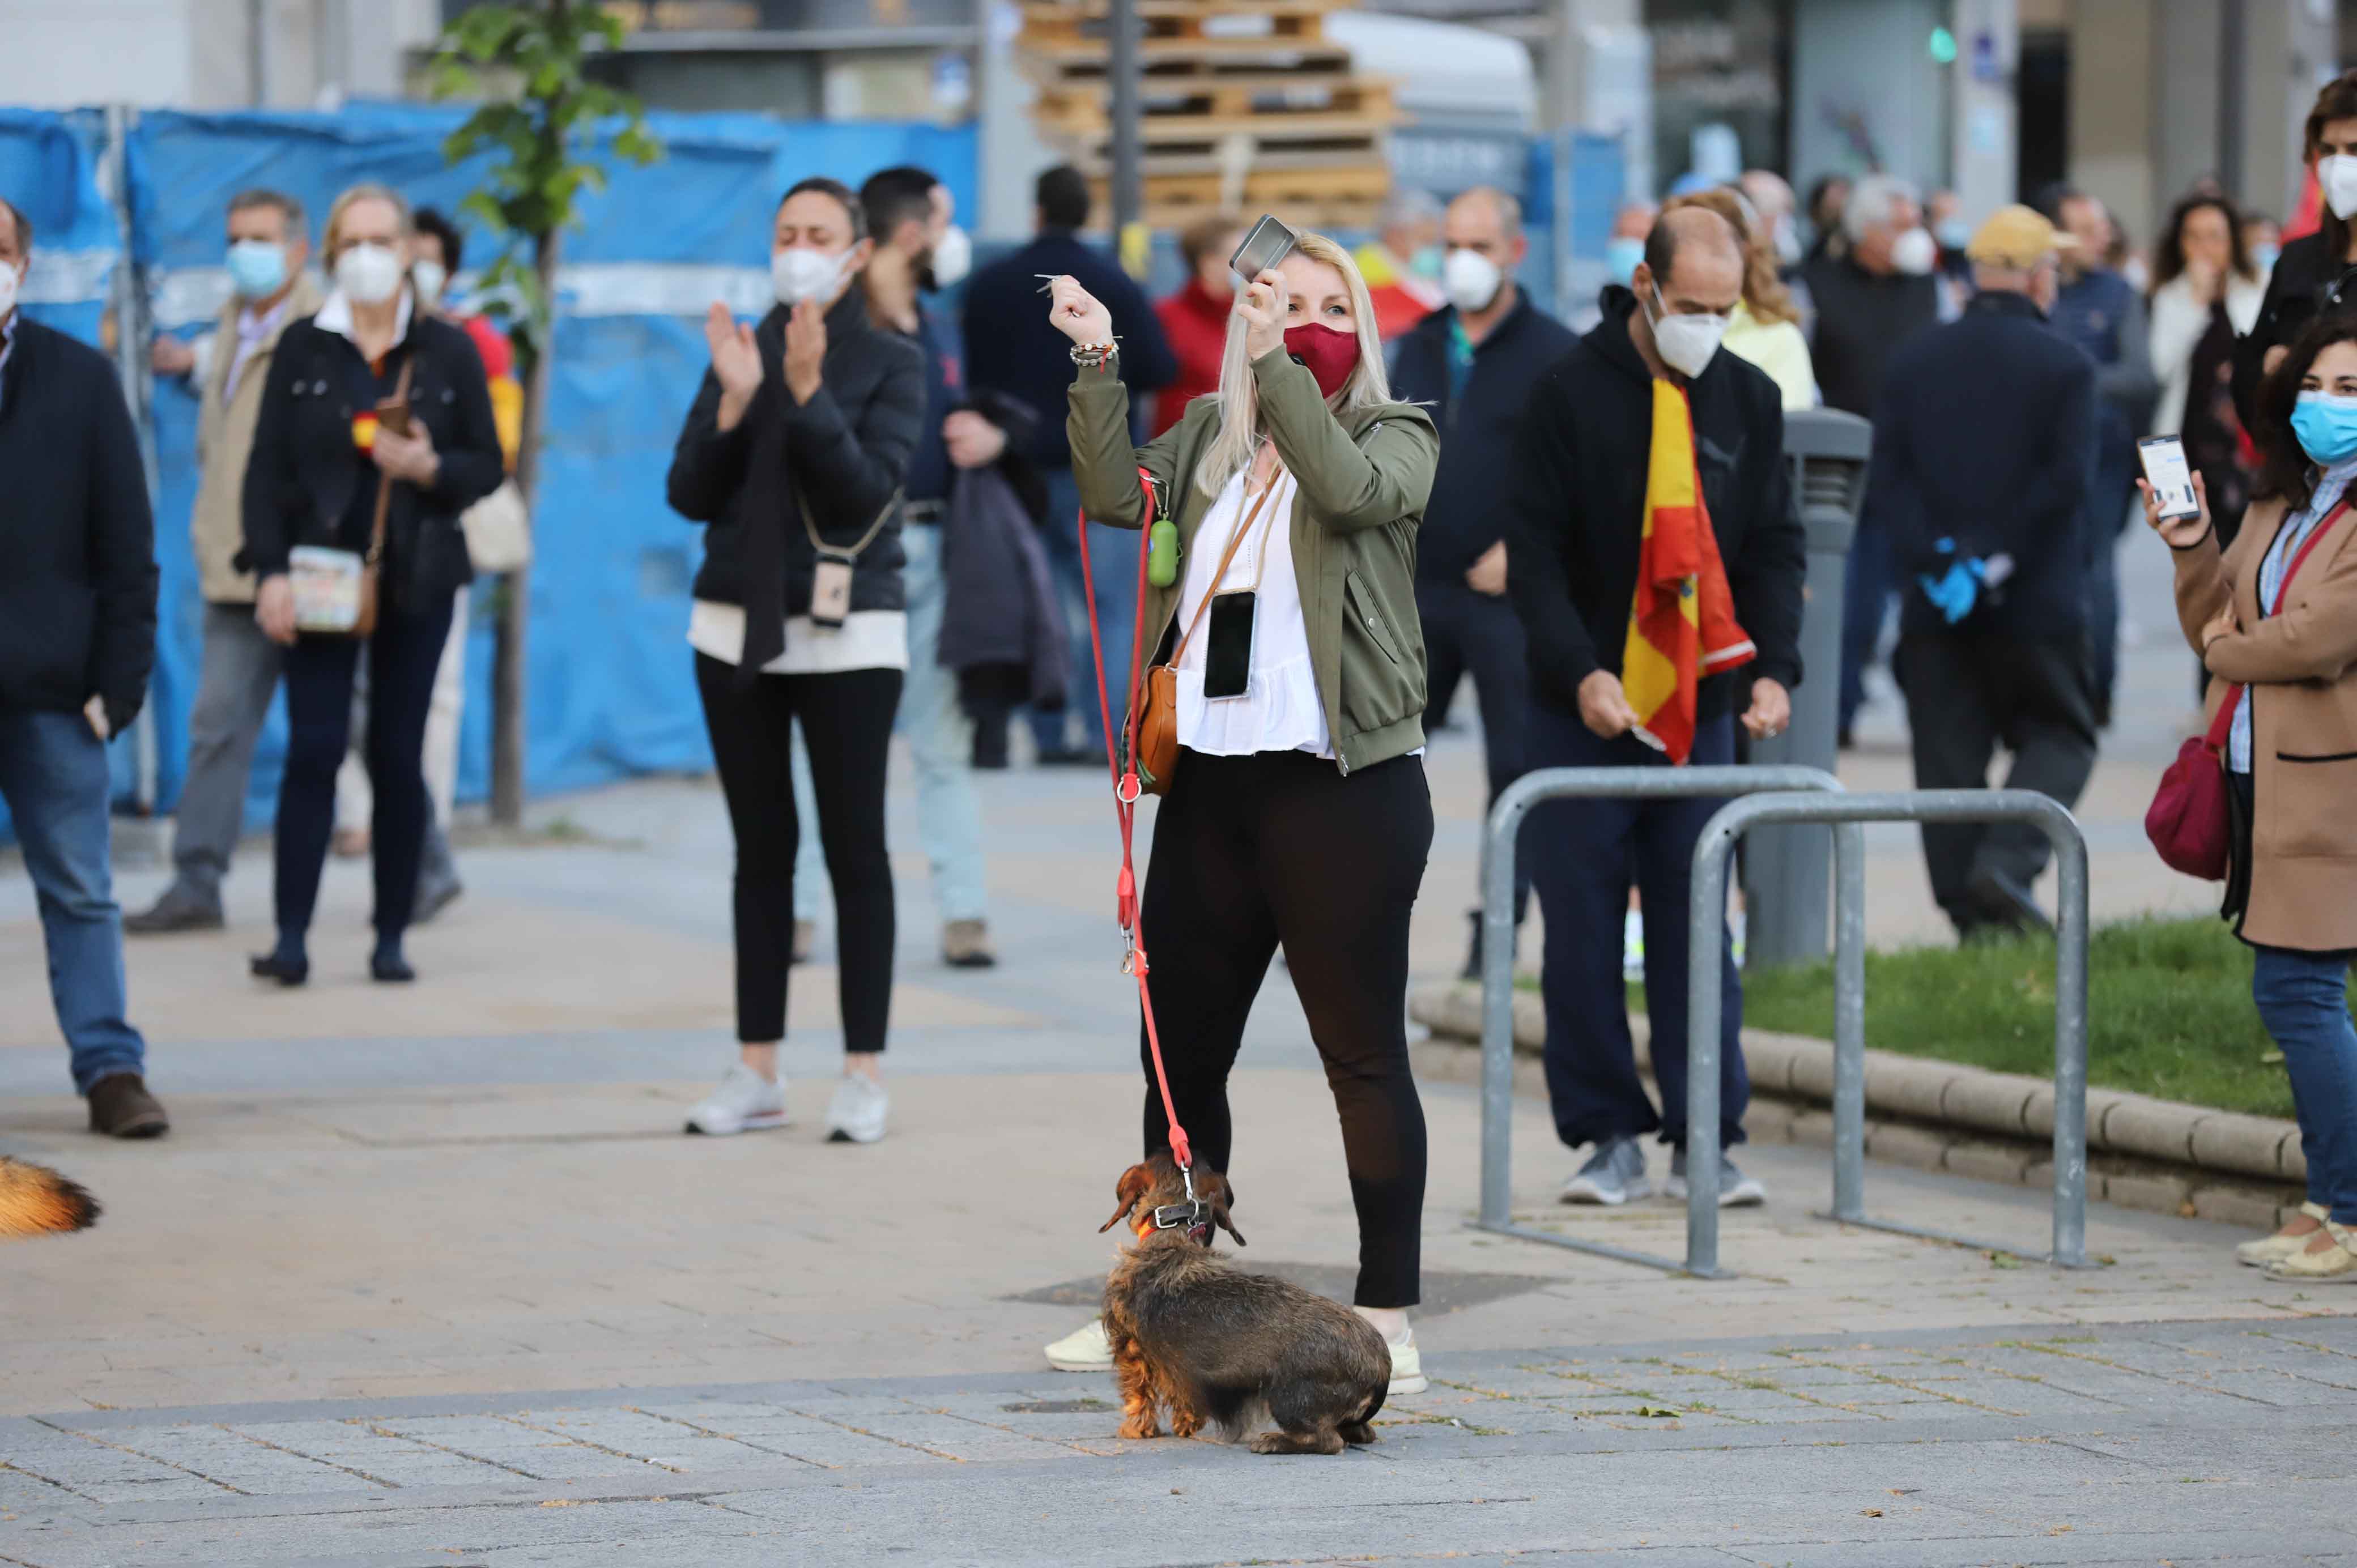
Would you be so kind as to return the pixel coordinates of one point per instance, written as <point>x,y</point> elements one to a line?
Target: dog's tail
<point>36,1201</point>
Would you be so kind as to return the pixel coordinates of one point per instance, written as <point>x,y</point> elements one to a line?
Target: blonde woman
<point>321,453</point>
<point>1297,813</point>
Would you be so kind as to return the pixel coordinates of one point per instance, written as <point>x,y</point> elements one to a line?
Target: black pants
<point>846,723</point>
<point>1466,632</point>
<point>403,656</point>
<point>1587,854</point>
<point>1253,850</point>
<point>1969,690</point>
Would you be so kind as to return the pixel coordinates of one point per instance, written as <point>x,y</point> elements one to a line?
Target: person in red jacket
<point>1194,318</point>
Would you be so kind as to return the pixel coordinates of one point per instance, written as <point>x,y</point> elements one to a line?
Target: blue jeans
<point>941,744</point>
<point>1866,593</point>
<point>2303,998</point>
<point>1112,557</point>
<point>53,775</point>
<point>1581,853</point>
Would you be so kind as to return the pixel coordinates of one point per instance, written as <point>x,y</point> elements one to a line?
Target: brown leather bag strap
<point>385,484</point>
<point>1234,543</point>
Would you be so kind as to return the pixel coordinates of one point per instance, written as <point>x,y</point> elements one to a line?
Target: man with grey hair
<point>77,643</point>
<point>1869,300</point>
<point>1473,363</point>
<point>1402,263</point>
<point>268,243</point>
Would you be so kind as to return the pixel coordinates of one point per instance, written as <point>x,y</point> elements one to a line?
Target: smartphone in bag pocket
<point>830,591</point>
<point>1227,655</point>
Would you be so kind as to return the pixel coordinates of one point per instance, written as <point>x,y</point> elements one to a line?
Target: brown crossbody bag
<point>1157,714</point>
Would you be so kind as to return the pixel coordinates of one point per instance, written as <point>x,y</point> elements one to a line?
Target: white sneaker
<point>857,1114</point>
<point>745,1102</point>
<point>1407,1363</point>
<point>1085,1349</point>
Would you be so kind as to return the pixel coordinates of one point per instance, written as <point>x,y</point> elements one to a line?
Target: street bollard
<point>1785,886</point>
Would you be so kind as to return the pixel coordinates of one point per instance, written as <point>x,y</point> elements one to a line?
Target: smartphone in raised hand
<point>2165,469</point>
<point>1268,244</point>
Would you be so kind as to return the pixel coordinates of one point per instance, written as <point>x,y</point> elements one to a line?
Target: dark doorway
<point>2042,150</point>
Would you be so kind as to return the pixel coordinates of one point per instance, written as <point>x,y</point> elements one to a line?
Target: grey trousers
<point>240,673</point>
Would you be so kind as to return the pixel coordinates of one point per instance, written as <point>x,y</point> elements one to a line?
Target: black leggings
<point>1252,850</point>
<point>403,654</point>
<point>847,721</point>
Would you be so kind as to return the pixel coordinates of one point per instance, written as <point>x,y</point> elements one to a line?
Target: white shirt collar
<point>336,316</point>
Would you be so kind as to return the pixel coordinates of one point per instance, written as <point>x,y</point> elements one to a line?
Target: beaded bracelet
<point>1094,355</point>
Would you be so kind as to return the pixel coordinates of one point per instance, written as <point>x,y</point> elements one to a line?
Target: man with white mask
<point>1473,362</point>
<point>1879,292</point>
<point>226,369</point>
<point>1649,476</point>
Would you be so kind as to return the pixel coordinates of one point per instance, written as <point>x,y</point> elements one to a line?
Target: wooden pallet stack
<point>1247,106</point>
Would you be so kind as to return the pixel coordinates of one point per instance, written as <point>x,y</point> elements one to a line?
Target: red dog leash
<point>1121,764</point>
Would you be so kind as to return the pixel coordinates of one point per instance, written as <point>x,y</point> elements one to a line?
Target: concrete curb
<point>1938,1115</point>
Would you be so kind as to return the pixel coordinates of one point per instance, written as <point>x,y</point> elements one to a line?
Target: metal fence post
<point>1849,1021</point>
<point>1498,840</point>
<point>2070,1051</point>
<point>1705,1005</point>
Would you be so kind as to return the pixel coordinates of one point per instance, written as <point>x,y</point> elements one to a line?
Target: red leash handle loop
<point>1126,788</point>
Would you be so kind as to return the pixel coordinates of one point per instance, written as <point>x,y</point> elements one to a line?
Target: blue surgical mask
<point>2326,426</point>
<point>1427,262</point>
<point>1620,258</point>
<point>2264,257</point>
<point>1953,234</point>
<point>257,269</point>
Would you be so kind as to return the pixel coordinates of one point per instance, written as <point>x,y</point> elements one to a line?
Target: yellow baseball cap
<point>2017,236</point>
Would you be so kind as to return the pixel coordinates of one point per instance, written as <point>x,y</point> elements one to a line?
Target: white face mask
<point>1684,342</point>
<point>802,274</point>
<point>7,288</point>
<point>368,274</point>
<point>953,257</point>
<point>431,278</point>
<point>2337,176</point>
<point>1471,280</point>
<point>1915,253</point>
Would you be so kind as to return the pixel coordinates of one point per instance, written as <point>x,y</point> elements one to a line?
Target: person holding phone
<point>376,434</point>
<point>2274,617</point>
<point>793,457</point>
<point>1298,811</point>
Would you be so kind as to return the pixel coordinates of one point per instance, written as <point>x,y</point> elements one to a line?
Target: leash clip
<point>1129,966</point>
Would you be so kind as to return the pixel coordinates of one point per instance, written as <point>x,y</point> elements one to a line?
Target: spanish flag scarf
<point>1682,627</point>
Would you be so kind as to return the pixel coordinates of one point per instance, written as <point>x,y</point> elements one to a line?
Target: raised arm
<point>1352,487</point>
<point>854,470</point>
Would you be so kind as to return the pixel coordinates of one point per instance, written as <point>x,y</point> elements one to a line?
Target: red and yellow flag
<point>1682,627</point>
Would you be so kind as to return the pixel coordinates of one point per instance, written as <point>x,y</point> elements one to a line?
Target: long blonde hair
<point>1232,450</point>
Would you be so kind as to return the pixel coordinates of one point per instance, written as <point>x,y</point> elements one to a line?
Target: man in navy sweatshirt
<point>76,642</point>
<point>1474,362</point>
<point>1011,347</point>
<point>1984,444</point>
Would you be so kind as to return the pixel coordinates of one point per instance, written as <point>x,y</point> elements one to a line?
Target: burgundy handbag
<point>2190,819</point>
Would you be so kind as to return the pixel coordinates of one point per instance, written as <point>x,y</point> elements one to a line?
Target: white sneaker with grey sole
<point>1085,1349</point>
<point>745,1102</point>
<point>857,1111</point>
<point>1407,1363</point>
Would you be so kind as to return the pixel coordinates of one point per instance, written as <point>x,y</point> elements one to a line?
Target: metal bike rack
<point>1850,811</point>
<point>1497,842</point>
<point>1817,800</point>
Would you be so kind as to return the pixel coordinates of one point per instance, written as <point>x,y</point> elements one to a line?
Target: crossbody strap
<point>1235,542</point>
<point>2223,725</point>
<point>867,538</point>
<point>385,484</point>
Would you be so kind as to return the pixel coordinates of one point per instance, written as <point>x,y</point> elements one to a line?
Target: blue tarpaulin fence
<point>610,682</point>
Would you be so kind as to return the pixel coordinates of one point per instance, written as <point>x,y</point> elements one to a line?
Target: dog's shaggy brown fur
<point>36,1201</point>
<point>1212,1345</point>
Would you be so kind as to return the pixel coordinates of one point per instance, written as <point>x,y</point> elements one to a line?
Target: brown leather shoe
<point>121,1107</point>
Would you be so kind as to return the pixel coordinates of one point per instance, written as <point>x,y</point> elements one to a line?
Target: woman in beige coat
<point>2276,618</point>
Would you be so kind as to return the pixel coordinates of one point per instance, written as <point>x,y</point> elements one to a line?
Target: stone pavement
<point>2184,1443</point>
<point>429,1276</point>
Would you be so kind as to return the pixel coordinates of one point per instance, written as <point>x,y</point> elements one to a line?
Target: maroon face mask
<point>1330,356</point>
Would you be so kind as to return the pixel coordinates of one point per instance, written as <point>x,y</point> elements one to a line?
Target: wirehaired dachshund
<point>1210,1344</point>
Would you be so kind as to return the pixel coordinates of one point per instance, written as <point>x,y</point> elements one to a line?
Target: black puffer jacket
<point>307,484</point>
<point>845,452</point>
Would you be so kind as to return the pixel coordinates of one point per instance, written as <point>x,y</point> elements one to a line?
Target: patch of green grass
<point>2170,1010</point>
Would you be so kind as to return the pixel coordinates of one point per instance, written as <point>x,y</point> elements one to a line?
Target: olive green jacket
<point>1360,483</point>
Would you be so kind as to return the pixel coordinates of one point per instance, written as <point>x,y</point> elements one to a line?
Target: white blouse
<point>867,639</point>
<point>1279,709</point>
